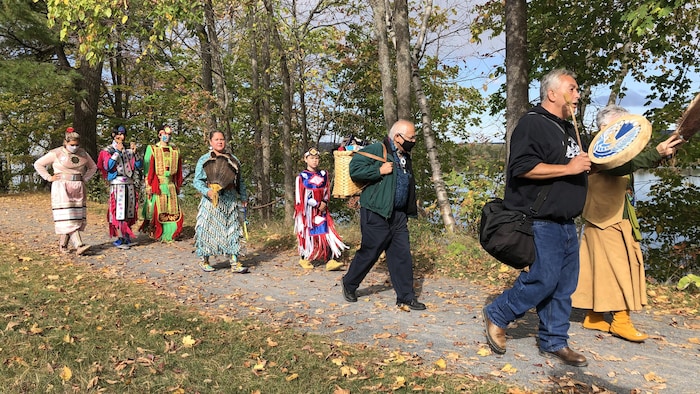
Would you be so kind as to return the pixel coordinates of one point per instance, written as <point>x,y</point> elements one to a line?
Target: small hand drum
<point>620,142</point>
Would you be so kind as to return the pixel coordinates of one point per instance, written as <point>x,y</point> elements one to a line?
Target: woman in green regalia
<point>162,214</point>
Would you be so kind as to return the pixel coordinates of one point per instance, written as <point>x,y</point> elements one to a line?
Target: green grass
<point>121,337</point>
<point>66,328</point>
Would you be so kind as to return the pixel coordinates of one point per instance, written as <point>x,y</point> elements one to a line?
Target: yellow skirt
<point>611,275</point>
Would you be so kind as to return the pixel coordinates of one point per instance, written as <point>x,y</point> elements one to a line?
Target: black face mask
<point>407,145</point>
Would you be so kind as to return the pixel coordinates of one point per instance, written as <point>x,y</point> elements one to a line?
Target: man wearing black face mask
<point>386,203</point>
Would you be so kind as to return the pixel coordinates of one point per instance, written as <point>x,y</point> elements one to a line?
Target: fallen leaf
<point>260,365</point>
<point>442,364</point>
<point>400,382</point>
<point>340,390</point>
<point>509,369</point>
<point>93,382</point>
<point>291,377</point>
<point>66,374</point>
<point>652,377</point>
<point>347,371</point>
<point>187,341</point>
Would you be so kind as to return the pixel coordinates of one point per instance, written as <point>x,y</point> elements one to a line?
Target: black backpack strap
<point>541,197</point>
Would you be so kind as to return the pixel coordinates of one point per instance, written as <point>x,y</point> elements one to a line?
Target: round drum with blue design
<point>618,143</point>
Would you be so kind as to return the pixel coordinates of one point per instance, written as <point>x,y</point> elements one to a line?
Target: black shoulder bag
<point>507,235</point>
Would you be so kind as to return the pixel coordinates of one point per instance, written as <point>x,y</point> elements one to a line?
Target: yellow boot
<point>622,327</point>
<point>306,264</point>
<point>596,321</point>
<point>333,265</point>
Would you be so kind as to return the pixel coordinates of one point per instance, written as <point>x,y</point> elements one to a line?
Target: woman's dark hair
<point>119,130</point>
<point>211,134</point>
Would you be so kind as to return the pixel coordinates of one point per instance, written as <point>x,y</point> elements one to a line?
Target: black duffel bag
<point>507,235</point>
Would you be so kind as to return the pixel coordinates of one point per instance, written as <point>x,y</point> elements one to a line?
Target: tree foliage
<point>153,61</point>
<point>608,43</point>
<point>670,221</point>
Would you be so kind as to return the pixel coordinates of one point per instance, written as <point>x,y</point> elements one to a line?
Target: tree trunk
<point>624,70</point>
<point>256,106</point>
<point>218,77</point>
<point>289,176</point>
<point>265,116</point>
<point>403,60</point>
<point>207,78</point>
<point>379,12</point>
<point>116,68</point>
<point>87,100</point>
<point>517,102</point>
<point>431,148</point>
<point>303,120</point>
<point>427,123</point>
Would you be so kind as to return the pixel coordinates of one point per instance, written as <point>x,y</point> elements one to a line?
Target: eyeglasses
<point>412,139</point>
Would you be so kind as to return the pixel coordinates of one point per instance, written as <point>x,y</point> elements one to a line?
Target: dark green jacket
<point>378,194</point>
<point>648,158</point>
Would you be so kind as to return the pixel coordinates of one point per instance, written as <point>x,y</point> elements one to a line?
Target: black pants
<point>379,235</point>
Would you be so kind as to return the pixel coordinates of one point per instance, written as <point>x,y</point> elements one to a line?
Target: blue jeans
<point>548,285</point>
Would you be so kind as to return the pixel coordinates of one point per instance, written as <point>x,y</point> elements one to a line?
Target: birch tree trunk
<point>403,60</point>
<point>379,14</point>
<point>427,125</point>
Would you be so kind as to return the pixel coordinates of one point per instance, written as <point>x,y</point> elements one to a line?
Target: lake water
<point>644,180</point>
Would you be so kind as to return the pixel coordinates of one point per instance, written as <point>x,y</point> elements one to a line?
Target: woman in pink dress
<point>72,167</point>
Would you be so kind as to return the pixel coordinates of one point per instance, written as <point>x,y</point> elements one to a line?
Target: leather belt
<point>71,177</point>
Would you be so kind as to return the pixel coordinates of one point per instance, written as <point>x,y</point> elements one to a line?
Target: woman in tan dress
<point>611,274</point>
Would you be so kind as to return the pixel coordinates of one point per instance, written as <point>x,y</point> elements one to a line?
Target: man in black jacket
<point>544,151</point>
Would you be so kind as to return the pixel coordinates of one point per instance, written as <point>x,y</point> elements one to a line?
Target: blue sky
<point>478,60</point>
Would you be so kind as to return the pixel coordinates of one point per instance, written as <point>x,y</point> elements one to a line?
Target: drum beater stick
<point>573,116</point>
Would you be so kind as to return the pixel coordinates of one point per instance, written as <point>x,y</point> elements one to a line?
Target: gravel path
<point>278,291</point>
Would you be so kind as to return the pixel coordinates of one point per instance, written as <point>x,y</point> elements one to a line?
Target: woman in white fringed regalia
<point>72,166</point>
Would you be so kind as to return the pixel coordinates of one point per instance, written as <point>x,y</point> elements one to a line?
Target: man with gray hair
<point>386,202</point>
<point>545,162</point>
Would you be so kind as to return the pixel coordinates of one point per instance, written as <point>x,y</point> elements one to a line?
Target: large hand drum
<point>690,122</point>
<point>620,142</point>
